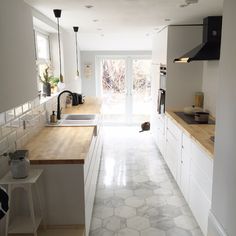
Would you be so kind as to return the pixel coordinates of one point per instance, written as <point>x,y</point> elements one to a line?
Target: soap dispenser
<point>53,117</point>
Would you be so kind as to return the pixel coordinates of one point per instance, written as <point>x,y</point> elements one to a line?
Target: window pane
<point>42,47</point>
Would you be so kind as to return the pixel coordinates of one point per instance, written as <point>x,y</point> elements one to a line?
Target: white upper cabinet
<point>18,79</point>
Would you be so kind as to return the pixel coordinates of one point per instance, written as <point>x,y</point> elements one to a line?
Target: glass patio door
<point>125,89</point>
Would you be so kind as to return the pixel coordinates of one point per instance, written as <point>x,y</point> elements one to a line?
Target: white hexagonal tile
<point>185,222</point>
<point>95,223</point>
<point>162,191</point>
<point>138,222</point>
<point>124,193</point>
<point>176,201</point>
<point>104,193</point>
<point>156,201</point>
<point>103,212</point>
<point>143,192</point>
<point>152,232</point>
<point>140,178</point>
<point>101,232</point>
<point>128,232</point>
<point>125,211</point>
<point>134,202</point>
<point>114,223</point>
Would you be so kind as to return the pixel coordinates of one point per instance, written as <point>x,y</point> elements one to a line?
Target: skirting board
<point>214,227</point>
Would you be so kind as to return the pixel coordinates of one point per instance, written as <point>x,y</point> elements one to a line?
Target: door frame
<point>128,79</point>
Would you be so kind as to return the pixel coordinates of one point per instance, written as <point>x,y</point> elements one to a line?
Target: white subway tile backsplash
<point>18,111</point>
<point>2,118</point>
<point>10,115</point>
<point>6,129</point>
<point>25,107</point>
<point>3,145</point>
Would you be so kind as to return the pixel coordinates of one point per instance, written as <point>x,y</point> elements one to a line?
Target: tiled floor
<point>136,194</point>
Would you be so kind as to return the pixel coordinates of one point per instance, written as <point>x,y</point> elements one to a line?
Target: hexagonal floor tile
<point>152,232</point>
<point>163,191</point>
<point>125,211</point>
<point>140,178</point>
<point>101,232</point>
<point>103,212</point>
<point>178,232</point>
<point>165,224</point>
<point>95,223</point>
<point>124,193</point>
<point>147,211</point>
<point>185,222</point>
<point>176,201</point>
<point>104,193</point>
<point>138,223</point>
<point>170,211</point>
<point>134,202</point>
<point>113,202</point>
<point>143,192</point>
<point>156,201</point>
<point>114,223</point>
<point>128,232</point>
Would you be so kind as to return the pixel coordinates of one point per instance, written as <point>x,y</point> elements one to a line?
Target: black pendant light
<point>76,28</point>
<point>57,13</point>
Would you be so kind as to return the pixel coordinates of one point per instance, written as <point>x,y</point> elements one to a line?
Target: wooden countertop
<point>200,133</point>
<point>92,105</point>
<point>60,145</point>
<point>64,145</point>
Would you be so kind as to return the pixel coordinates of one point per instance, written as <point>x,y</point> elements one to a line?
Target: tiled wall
<point>21,123</point>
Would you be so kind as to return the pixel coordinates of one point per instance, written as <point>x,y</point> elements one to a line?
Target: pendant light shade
<point>57,14</point>
<point>76,28</point>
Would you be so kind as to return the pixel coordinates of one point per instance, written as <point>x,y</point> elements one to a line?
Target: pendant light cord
<point>77,61</point>
<point>59,46</point>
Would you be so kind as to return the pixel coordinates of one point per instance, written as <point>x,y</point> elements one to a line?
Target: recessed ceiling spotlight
<point>147,34</point>
<point>95,20</point>
<point>157,28</point>
<point>99,29</point>
<point>183,5</point>
<point>167,19</point>
<point>102,35</point>
<point>89,6</point>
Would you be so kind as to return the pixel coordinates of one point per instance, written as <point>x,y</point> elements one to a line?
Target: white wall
<point>183,80</point>
<point>89,57</point>
<point>210,80</point>
<point>224,190</point>
<point>18,71</point>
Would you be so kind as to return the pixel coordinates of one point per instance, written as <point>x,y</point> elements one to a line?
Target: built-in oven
<point>162,90</point>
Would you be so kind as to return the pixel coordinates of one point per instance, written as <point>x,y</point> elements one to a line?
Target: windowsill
<point>45,99</point>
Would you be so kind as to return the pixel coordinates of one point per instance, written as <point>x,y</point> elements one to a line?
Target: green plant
<point>49,79</point>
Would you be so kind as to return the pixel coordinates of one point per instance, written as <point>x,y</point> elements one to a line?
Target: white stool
<point>24,225</point>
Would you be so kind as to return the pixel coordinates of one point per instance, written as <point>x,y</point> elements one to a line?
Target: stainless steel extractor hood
<point>210,47</point>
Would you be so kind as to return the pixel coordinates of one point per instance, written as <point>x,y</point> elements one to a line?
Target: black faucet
<point>58,103</point>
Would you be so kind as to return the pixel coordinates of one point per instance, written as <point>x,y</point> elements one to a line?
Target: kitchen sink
<point>84,117</point>
<point>78,120</point>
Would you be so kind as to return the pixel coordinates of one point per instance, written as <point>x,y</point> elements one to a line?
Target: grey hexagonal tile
<point>140,178</point>
<point>170,211</point>
<point>143,192</point>
<point>138,223</point>
<point>134,202</point>
<point>103,212</point>
<point>147,211</point>
<point>104,193</point>
<point>176,201</point>
<point>113,202</point>
<point>124,193</point>
<point>152,232</point>
<point>114,223</point>
<point>96,223</point>
<point>128,232</point>
<point>163,191</point>
<point>185,222</point>
<point>156,201</point>
<point>165,224</point>
<point>178,232</point>
<point>125,211</point>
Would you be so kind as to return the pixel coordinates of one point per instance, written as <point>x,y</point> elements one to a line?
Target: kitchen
<point>207,77</point>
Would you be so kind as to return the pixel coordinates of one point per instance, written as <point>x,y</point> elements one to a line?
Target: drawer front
<point>174,129</point>
<point>202,160</point>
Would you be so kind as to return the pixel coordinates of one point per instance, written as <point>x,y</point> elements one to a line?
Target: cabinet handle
<point>182,162</point>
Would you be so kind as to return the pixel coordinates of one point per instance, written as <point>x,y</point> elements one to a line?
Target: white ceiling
<point>125,24</point>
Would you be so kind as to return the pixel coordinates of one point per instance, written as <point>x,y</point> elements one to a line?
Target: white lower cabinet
<point>192,169</point>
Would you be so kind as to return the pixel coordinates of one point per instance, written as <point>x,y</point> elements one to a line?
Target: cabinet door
<point>185,166</point>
